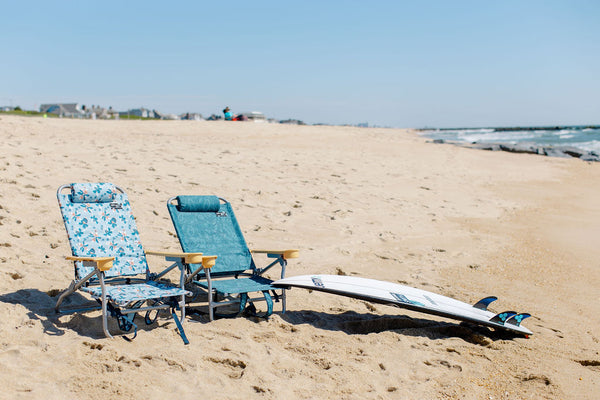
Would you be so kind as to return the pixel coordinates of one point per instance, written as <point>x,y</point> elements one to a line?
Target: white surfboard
<point>410,298</point>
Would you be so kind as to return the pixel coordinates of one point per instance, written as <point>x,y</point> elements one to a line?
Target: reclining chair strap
<point>243,302</point>
<point>124,321</point>
<point>269,301</point>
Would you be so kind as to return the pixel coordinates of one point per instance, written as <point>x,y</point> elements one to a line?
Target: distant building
<point>164,115</point>
<point>71,110</point>
<point>99,112</point>
<point>139,112</point>
<point>191,117</point>
<point>7,108</point>
<point>76,110</point>
<point>110,114</point>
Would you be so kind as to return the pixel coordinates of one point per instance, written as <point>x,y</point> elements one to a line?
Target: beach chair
<point>207,224</point>
<point>110,263</point>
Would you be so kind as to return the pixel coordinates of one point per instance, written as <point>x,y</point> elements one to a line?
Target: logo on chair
<point>116,206</point>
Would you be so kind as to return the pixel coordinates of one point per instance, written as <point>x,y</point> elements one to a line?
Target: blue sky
<point>389,63</point>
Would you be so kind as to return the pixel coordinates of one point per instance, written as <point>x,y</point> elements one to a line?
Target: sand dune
<point>377,203</point>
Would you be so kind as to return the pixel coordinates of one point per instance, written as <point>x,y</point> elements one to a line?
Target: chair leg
<point>179,327</point>
<point>105,317</point>
<point>182,306</point>
<point>210,294</point>
<point>283,263</point>
<point>182,286</point>
<point>210,307</point>
<point>63,295</point>
<point>104,307</point>
<point>75,285</point>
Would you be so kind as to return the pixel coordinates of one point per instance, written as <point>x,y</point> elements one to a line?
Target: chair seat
<point>241,285</point>
<point>124,294</point>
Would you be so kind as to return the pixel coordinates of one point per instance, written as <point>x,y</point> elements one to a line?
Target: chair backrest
<point>204,224</point>
<point>99,223</point>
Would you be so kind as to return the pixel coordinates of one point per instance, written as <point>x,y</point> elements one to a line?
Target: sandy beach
<point>375,203</point>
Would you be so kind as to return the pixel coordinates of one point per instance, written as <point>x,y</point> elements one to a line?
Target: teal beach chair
<point>110,263</point>
<point>207,224</point>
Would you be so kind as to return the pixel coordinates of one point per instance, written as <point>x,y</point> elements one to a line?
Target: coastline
<point>377,203</point>
<point>529,148</point>
<point>519,128</point>
<point>581,141</point>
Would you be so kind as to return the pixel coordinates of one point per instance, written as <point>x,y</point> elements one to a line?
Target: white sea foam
<point>593,145</point>
<point>500,136</point>
<point>568,132</point>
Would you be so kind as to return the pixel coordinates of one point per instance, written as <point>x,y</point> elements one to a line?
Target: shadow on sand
<point>352,322</point>
<point>40,306</point>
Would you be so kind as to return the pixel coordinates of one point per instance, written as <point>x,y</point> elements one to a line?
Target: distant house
<point>72,110</point>
<point>111,114</point>
<point>7,108</point>
<point>165,115</point>
<point>76,110</point>
<point>101,112</point>
<point>139,112</point>
<point>98,112</point>
<point>191,117</point>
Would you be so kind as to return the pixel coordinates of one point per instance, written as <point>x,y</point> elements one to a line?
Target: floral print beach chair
<point>110,263</point>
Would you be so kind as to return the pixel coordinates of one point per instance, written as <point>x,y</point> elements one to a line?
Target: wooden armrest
<point>189,258</point>
<point>208,261</point>
<point>286,254</point>
<point>103,263</point>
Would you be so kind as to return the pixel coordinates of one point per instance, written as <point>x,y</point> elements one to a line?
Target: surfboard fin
<point>484,303</point>
<point>502,317</point>
<point>516,319</point>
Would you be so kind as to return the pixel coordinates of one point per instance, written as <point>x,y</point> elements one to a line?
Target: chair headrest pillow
<point>198,203</point>
<point>93,192</point>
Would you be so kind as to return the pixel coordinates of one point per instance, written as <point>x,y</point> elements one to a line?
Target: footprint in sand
<point>236,367</point>
<point>93,346</point>
<point>535,378</point>
<point>444,363</point>
<point>592,364</point>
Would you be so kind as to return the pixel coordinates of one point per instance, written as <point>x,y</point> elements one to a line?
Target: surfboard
<point>411,298</point>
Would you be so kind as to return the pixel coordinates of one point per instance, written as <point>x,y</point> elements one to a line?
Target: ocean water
<point>585,138</point>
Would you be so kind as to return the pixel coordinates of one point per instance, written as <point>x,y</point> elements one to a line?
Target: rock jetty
<point>530,148</point>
